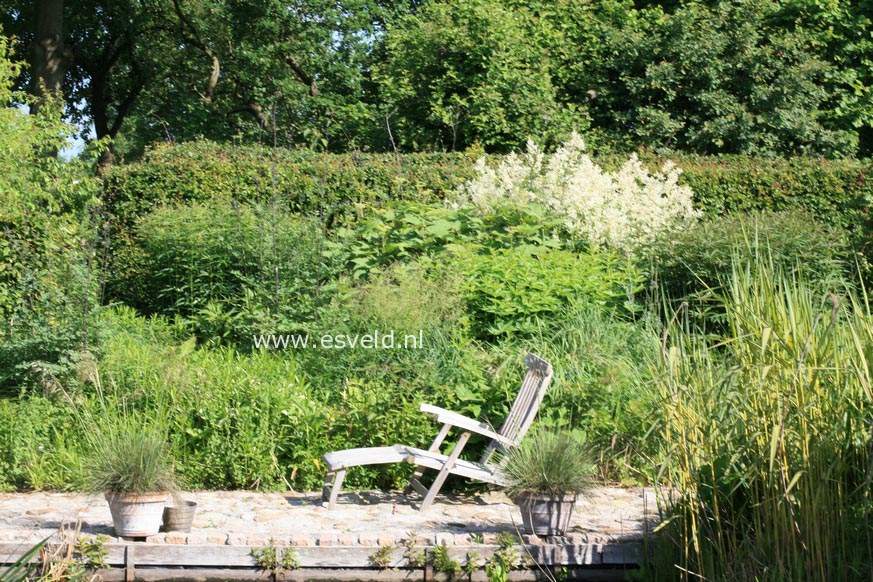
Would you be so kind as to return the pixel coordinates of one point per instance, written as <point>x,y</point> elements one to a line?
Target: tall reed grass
<point>767,435</point>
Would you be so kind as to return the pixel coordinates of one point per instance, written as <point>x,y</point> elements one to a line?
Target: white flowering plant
<point>625,209</point>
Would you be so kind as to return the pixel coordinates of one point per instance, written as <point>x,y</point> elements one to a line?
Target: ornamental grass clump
<point>549,462</point>
<point>130,457</point>
<point>624,209</point>
<point>767,435</point>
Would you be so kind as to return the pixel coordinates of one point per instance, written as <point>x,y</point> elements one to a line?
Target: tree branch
<point>195,40</point>
<point>301,74</point>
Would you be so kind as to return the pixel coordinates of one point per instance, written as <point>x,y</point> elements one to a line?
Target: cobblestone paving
<point>607,514</point>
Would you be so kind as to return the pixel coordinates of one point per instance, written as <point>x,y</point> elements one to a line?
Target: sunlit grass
<point>767,435</point>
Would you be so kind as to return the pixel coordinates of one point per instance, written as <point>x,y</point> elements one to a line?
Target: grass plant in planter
<point>132,464</point>
<point>545,474</point>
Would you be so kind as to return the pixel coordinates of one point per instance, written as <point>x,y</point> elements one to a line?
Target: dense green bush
<point>48,240</point>
<point>834,192</point>
<point>461,72</point>
<point>831,190</point>
<point>230,268</point>
<point>730,76</point>
<point>40,444</point>
<point>694,263</point>
<point>333,186</point>
<point>511,291</point>
<point>406,231</point>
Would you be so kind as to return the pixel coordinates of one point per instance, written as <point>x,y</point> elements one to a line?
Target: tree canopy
<point>778,77</point>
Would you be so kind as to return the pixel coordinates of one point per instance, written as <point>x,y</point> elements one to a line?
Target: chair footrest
<point>339,460</point>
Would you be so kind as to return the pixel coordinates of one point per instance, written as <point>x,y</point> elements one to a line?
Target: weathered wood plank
<point>346,575</point>
<point>617,554</point>
<point>215,556</point>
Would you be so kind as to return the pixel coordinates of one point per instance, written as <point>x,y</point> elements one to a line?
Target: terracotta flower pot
<point>136,515</point>
<point>546,515</point>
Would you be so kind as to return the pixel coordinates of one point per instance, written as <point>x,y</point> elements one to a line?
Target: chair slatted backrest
<point>526,405</point>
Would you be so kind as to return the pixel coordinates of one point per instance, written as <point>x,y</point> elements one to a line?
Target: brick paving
<point>244,518</point>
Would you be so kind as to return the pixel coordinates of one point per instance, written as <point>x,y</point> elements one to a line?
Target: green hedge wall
<point>836,191</point>
<point>328,184</point>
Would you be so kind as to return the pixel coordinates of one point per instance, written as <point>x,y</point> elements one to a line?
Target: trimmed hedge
<point>834,191</point>
<point>338,185</point>
<point>330,185</point>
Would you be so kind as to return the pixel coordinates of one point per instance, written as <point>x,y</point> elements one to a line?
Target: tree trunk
<point>48,52</point>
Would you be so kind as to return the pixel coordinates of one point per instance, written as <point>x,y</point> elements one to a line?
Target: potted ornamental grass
<point>131,463</point>
<point>544,476</point>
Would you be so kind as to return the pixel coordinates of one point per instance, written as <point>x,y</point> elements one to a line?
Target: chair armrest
<point>459,420</point>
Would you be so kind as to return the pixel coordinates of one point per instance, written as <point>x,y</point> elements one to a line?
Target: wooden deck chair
<point>524,409</point>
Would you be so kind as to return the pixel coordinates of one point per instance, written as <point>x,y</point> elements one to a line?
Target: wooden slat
<point>349,575</point>
<point>215,556</point>
<point>363,456</point>
<point>615,554</point>
<point>463,468</point>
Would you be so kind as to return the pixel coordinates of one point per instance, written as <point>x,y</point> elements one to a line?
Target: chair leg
<point>444,472</point>
<point>415,480</point>
<point>333,487</point>
<point>328,485</point>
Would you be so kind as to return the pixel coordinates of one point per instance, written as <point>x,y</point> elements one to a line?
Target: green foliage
<point>274,559</point>
<point>766,434</point>
<point>333,186</point>
<point>503,560</point>
<point>406,231</point>
<point>443,562</point>
<point>720,78</point>
<point>26,567</point>
<point>92,553</point>
<point>383,557</point>
<point>769,77</point>
<point>550,462</point>
<point>195,68</point>
<point>409,297</point>
<point>510,291</point>
<point>691,265</point>
<point>39,444</point>
<point>231,269</point>
<point>414,556</point>
<point>236,421</point>
<point>463,72</point>
<point>833,192</point>
<point>346,188</point>
<point>47,242</point>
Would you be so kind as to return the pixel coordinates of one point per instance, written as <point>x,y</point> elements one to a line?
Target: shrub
<point>406,231</point>
<point>47,240</point>
<point>40,444</point>
<point>408,297</point>
<point>695,260</point>
<point>510,291</point>
<point>333,186</point>
<point>628,208</point>
<point>230,268</point>
<point>344,187</point>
